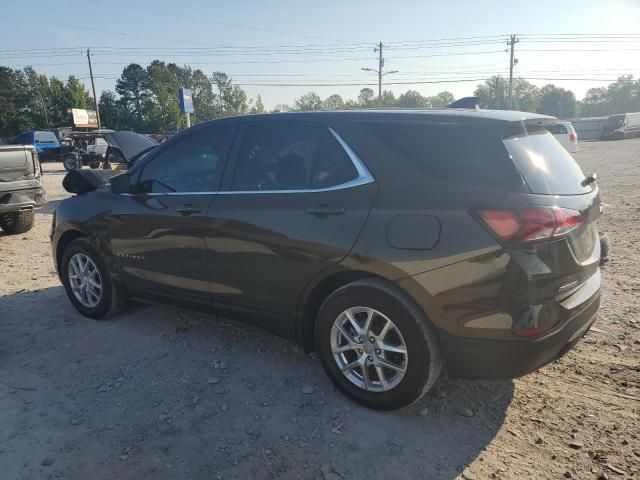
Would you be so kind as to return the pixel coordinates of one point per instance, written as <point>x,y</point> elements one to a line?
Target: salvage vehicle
<point>45,142</point>
<point>622,126</point>
<point>21,189</point>
<point>115,149</point>
<point>395,243</point>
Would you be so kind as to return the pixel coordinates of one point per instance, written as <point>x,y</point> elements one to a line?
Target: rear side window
<point>544,164</point>
<point>557,129</point>
<point>45,137</point>
<point>291,157</point>
<point>471,155</point>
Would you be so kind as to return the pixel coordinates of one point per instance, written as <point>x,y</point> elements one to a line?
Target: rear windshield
<point>45,137</point>
<point>465,155</point>
<point>545,165</point>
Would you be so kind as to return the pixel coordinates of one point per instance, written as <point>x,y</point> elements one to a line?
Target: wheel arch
<point>63,242</point>
<point>315,296</point>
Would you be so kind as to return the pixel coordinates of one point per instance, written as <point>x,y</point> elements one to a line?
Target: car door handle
<point>188,209</point>
<point>325,210</point>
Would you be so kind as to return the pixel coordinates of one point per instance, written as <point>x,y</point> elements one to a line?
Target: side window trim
<point>364,176</point>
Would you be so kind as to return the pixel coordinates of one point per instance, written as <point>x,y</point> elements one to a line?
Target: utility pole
<point>379,70</point>
<point>498,92</point>
<point>512,42</point>
<point>93,87</point>
<point>380,65</point>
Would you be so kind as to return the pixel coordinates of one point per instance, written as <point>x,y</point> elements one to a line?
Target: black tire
<point>17,222</point>
<point>605,248</point>
<point>424,360</point>
<point>113,297</point>
<point>70,162</point>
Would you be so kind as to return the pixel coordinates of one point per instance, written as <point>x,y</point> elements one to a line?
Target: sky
<point>282,49</point>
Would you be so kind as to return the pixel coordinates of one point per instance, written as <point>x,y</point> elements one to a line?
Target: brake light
<point>573,138</point>
<point>530,224</point>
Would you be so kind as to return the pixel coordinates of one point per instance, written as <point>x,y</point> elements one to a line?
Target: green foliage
<point>557,102</point>
<point>308,101</point>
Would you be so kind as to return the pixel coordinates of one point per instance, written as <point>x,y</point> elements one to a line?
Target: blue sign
<point>186,100</point>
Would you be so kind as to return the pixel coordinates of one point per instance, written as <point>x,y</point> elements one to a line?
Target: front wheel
<point>377,346</point>
<point>88,282</point>
<point>70,163</point>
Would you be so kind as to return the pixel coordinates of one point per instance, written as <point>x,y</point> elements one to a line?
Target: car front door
<point>157,231</point>
<point>296,203</point>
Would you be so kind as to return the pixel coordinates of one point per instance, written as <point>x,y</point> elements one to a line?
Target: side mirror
<point>121,183</point>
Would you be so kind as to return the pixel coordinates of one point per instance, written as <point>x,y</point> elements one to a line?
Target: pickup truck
<point>21,189</point>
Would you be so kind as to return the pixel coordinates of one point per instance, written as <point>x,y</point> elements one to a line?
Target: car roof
<point>499,116</point>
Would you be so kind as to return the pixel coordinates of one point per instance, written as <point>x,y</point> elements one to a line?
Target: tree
<point>259,106</point>
<point>281,107</point>
<point>133,88</point>
<point>412,99</point>
<point>333,102</point>
<point>77,95</point>
<point>204,102</point>
<point>388,99</point>
<point>113,111</point>
<point>557,102</point>
<point>526,96</point>
<point>366,98</point>
<point>442,99</point>
<point>595,103</point>
<point>14,113</point>
<point>308,101</point>
<point>492,93</point>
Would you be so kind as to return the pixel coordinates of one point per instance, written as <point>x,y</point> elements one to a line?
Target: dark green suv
<point>395,243</point>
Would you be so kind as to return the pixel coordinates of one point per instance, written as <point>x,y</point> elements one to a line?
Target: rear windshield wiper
<point>589,179</point>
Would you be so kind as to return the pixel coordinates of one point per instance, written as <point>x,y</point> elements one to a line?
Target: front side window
<point>193,165</point>
<point>45,137</point>
<point>291,157</point>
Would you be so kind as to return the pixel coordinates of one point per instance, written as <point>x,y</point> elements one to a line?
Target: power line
<point>207,20</point>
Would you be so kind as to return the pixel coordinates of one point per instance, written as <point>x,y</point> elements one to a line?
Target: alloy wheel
<point>369,349</point>
<point>85,280</point>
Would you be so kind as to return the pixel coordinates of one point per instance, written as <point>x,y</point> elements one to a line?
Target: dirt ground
<point>157,393</point>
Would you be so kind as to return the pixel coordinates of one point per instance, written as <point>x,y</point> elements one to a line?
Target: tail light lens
<point>572,138</point>
<point>530,224</point>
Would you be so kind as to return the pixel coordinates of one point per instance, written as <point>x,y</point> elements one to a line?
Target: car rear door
<point>157,231</point>
<point>295,204</point>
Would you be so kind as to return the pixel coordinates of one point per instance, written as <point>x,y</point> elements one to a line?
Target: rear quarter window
<point>545,165</point>
<point>471,155</point>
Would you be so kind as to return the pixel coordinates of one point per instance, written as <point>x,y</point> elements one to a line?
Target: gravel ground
<point>157,393</point>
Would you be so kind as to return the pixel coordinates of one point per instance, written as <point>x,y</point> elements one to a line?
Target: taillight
<point>572,138</point>
<point>530,224</point>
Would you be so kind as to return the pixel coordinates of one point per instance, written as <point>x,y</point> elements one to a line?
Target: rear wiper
<point>589,179</point>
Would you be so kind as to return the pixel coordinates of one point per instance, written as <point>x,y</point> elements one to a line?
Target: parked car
<point>566,135</point>
<point>395,243</point>
<point>45,142</point>
<point>21,187</point>
<point>624,125</point>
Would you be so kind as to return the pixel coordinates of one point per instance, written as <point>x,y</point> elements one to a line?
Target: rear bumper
<point>21,199</point>
<point>492,359</point>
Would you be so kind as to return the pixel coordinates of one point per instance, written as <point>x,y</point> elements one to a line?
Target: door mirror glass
<point>121,183</point>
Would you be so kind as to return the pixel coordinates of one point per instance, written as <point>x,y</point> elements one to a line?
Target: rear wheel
<point>88,282</point>
<point>376,345</point>
<point>17,222</point>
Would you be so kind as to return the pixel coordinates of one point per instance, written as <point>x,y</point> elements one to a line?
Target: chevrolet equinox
<point>395,243</point>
